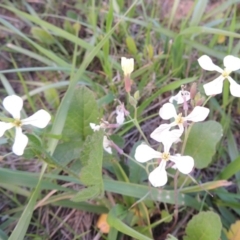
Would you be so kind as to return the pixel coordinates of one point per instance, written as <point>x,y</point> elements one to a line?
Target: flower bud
<point>127,65</point>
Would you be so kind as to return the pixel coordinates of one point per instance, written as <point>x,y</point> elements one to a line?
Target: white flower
<point>179,98</point>
<point>158,177</point>
<point>106,145</point>
<point>13,104</point>
<point>231,64</point>
<point>127,65</point>
<point>94,127</point>
<point>120,118</point>
<point>168,111</point>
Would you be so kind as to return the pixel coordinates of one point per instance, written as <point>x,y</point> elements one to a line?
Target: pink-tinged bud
<point>193,90</point>
<point>200,101</point>
<point>128,83</point>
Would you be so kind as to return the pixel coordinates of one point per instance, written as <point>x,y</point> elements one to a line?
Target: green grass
<point>57,47</point>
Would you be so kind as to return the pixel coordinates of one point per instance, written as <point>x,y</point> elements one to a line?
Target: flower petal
<point>171,137</point>
<point>167,111</point>
<point>179,98</point>
<point>5,126</point>
<point>158,133</point>
<point>234,87</point>
<point>214,87</point>
<point>39,119</point>
<point>127,65</point>
<point>184,164</point>
<point>145,153</point>
<point>13,104</point>
<point>158,177</point>
<point>198,114</point>
<point>106,145</point>
<point>120,117</point>
<point>20,142</point>
<point>207,64</point>
<point>231,63</point>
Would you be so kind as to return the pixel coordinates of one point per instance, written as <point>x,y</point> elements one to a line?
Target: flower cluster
<point>170,133</point>
<point>14,104</point>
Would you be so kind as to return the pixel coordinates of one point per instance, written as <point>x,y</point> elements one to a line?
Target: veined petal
<point>5,126</point>
<point>158,133</point>
<point>214,87</point>
<point>179,98</point>
<point>120,118</point>
<point>167,111</point>
<point>184,164</point>
<point>13,104</point>
<point>158,177</point>
<point>106,145</point>
<point>207,64</point>
<point>145,153</point>
<point>234,87</point>
<point>231,63</point>
<point>198,114</point>
<point>20,142</point>
<point>39,119</point>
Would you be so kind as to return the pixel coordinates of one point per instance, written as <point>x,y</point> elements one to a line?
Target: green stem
<point>132,159</point>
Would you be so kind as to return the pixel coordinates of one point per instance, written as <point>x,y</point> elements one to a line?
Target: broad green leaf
<point>91,172</point>
<point>91,159</point>
<point>82,111</point>
<point>114,220</point>
<point>87,194</point>
<point>204,226</point>
<point>67,151</point>
<point>202,141</point>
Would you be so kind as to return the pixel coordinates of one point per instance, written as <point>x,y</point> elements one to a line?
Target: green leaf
<point>114,220</point>
<point>204,226</point>
<point>202,141</point>
<point>87,194</point>
<point>67,151</point>
<point>82,111</point>
<point>91,172</point>
<point>91,159</point>
<point>42,35</point>
<point>231,169</point>
<point>137,174</point>
<point>52,97</point>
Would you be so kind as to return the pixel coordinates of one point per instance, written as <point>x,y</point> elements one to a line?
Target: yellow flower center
<point>226,73</point>
<point>179,119</point>
<point>165,156</point>
<point>17,123</point>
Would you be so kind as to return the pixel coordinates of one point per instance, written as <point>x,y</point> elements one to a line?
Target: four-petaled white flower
<point>231,64</point>
<point>158,177</point>
<point>13,104</point>
<point>168,111</point>
<point>127,65</point>
<point>179,98</point>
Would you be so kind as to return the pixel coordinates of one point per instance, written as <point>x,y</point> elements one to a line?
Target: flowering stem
<point>206,101</point>
<point>185,138</point>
